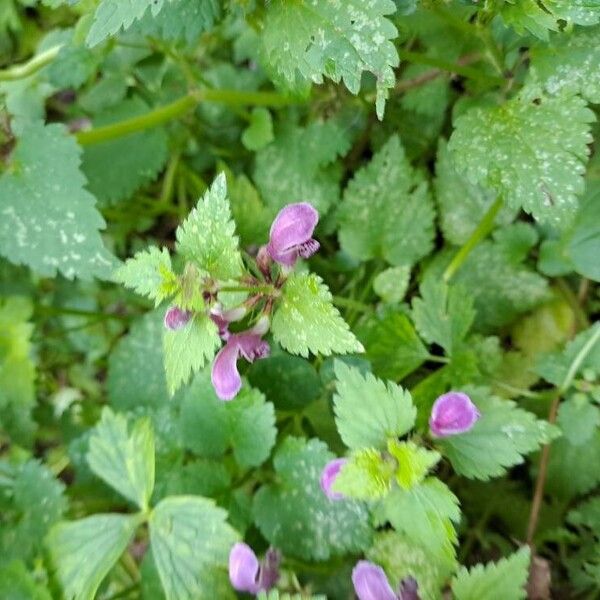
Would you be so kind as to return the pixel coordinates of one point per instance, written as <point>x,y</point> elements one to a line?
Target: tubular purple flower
<point>328,476</point>
<point>249,575</point>
<point>291,234</point>
<point>225,376</point>
<point>222,318</point>
<point>452,413</point>
<point>176,318</point>
<point>371,583</point>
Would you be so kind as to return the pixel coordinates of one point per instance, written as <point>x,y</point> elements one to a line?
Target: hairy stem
<point>484,227</point>
<point>33,65</point>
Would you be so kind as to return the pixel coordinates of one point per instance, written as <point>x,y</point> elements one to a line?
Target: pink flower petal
<point>371,583</point>
<point>453,413</point>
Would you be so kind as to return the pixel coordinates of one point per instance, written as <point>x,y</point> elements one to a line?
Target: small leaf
<point>414,462</point>
<point>368,411</point>
<point>259,132</point>
<point>124,460</point>
<point>366,476</point>
<point>392,283</point>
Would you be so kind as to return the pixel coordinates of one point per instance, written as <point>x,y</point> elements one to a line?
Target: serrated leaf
<point>500,438</point>
<point>190,541</point>
<point>188,349</point>
<point>142,155</point>
<point>505,579</point>
<point>84,551</point>
<point>443,314</point>
<point>123,459</point>
<point>296,166</point>
<point>49,221</point>
<point>414,462</point>
<point>304,41</point>
<point>578,419</point>
<point>149,273</point>
<point>259,132</point>
<point>386,211</point>
<point>207,236</point>
<point>295,515</point>
<point>368,411</point>
<point>391,284</point>
<point>111,16</point>
<point>531,151</point>
<point>17,370</point>
<point>425,515</point>
<point>392,345</point>
<point>366,476</point>
<point>306,320</point>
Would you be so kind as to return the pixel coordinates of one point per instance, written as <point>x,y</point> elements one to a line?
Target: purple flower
<point>222,318</point>
<point>452,413</point>
<point>328,476</point>
<point>247,574</point>
<point>371,583</point>
<point>291,234</point>
<point>176,318</point>
<point>225,376</point>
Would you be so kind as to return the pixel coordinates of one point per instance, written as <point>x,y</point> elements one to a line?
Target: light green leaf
<point>414,462</point>
<point>149,273</point>
<point>253,218</point>
<point>188,349</point>
<point>207,236</point>
<point>531,151</point>
<point>84,551</point>
<point>296,167</point>
<point>302,42</point>
<point>425,515</point>
<point>505,579</point>
<point>141,155</point>
<point>17,370</point>
<point>368,411</point>
<point>387,211</point>
<point>443,314</point>
<point>190,541</point>
<point>392,345</point>
<point>113,15</point>
<point>578,419</point>
<point>500,439</point>
<point>392,283</point>
<point>124,460</point>
<point>366,476</point>
<point>306,320</point>
<point>49,221</point>
<point>259,132</point>
<point>295,515</point>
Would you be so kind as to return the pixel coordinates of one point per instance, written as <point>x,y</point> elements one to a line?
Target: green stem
<point>576,364</point>
<point>350,303</point>
<point>438,359</point>
<point>59,310</point>
<point>33,65</point>
<point>178,108</point>
<point>424,59</point>
<point>256,289</point>
<point>484,227</point>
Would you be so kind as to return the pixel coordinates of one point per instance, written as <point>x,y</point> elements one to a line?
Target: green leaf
<point>124,460</point>
<point>210,426</point>
<point>296,165</point>
<point>253,218</point>
<point>149,273</point>
<point>113,15</point>
<point>259,132</point>
<point>387,211</point>
<point>505,579</point>
<point>424,515</point>
<point>207,236</point>
<point>141,155</point>
<point>306,320</point>
<point>188,349</point>
<point>461,205</point>
<point>35,501</point>
<point>368,411</point>
<point>569,64</point>
<point>17,370</point>
<point>49,221</point>
<point>366,476</point>
<point>84,551</point>
<point>16,583</point>
<point>190,541</point>
<point>295,515</point>
<point>392,345</point>
<point>531,151</point>
<point>391,284</point>
<point>578,419</point>
<point>500,438</point>
<point>414,462</point>
<point>303,42</point>
<point>443,314</point>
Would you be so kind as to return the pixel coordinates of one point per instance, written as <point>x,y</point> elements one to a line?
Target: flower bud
<point>452,413</point>
<point>176,318</point>
<point>329,475</point>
